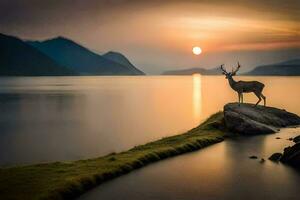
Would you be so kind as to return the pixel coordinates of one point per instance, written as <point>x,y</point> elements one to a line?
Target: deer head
<point>232,73</point>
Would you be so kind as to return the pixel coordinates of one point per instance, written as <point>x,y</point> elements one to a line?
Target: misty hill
<point>214,71</point>
<point>81,59</point>
<point>286,68</point>
<point>121,59</point>
<point>17,58</point>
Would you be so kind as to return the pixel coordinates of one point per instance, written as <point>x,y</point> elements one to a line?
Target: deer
<point>244,86</point>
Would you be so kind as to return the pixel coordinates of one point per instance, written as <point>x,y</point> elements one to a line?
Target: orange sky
<point>159,35</point>
<point>182,25</point>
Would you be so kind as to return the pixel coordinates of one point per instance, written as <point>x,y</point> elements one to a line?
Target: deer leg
<point>239,98</point>
<point>259,98</point>
<point>242,97</point>
<point>264,98</point>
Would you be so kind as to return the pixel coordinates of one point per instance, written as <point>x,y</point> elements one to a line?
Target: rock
<point>278,138</point>
<point>291,155</point>
<point>262,160</point>
<point>253,157</point>
<point>275,157</point>
<point>296,139</point>
<point>248,119</point>
<point>290,139</point>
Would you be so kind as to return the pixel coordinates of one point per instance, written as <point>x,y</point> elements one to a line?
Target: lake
<point>67,118</point>
<point>219,172</point>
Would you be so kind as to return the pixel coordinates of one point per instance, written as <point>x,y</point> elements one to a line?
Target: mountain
<point>121,59</point>
<point>286,68</point>
<point>17,58</point>
<point>76,57</point>
<point>190,71</point>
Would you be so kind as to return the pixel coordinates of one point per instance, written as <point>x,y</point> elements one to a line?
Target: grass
<point>68,180</point>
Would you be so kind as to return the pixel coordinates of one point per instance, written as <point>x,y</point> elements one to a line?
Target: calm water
<point>67,118</point>
<point>219,172</point>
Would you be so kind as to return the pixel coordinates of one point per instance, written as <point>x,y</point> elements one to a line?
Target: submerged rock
<point>291,155</point>
<point>253,157</point>
<point>296,139</point>
<point>250,119</point>
<point>278,138</point>
<point>275,157</point>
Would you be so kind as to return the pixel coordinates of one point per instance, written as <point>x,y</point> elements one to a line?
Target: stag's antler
<point>223,70</point>
<point>236,70</point>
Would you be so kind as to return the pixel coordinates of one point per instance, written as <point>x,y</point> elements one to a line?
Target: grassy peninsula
<point>67,180</point>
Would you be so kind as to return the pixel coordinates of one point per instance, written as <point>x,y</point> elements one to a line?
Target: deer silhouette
<point>244,86</point>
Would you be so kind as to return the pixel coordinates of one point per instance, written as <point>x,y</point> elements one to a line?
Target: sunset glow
<point>159,35</point>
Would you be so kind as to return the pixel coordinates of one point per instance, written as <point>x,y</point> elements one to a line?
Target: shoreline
<point>68,180</point>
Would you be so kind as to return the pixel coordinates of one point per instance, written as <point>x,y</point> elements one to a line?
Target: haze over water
<point>68,118</point>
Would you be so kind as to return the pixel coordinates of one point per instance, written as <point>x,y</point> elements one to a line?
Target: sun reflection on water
<point>197,97</point>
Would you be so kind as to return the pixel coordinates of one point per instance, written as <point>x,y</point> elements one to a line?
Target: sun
<point>197,50</point>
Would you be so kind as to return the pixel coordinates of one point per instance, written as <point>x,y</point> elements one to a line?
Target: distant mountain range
<point>17,58</point>
<point>63,57</point>
<point>286,68</point>
<point>78,58</point>
<point>190,71</point>
<point>58,57</point>
<point>122,60</point>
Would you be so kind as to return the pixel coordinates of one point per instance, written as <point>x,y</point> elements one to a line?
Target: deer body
<point>245,86</point>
